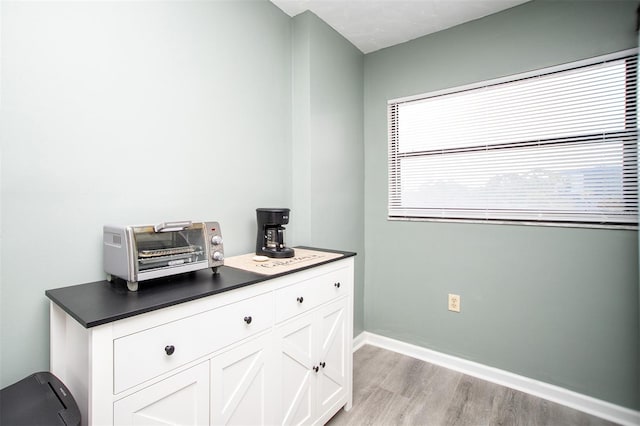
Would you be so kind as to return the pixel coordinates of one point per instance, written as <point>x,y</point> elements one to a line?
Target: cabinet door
<point>240,384</point>
<point>296,356</point>
<point>313,364</point>
<point>332,377</point>
<point>182,399</point>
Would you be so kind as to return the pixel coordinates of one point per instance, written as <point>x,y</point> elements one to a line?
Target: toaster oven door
<point>172,248</point>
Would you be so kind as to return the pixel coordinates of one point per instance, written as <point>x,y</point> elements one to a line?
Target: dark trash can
<point>39,399</point>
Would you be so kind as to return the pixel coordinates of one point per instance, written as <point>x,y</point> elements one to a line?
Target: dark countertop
<point>102,302</point>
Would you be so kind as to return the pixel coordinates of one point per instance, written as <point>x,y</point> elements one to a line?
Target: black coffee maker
<point>270,239</point>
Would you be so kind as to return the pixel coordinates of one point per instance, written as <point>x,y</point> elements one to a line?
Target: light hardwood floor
<point>393,389</point>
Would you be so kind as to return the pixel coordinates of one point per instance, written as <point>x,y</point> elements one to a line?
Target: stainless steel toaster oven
<point>138,253</point>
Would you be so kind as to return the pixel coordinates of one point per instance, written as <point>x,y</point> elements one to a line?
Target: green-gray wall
<point>328,178</point>
<point>555,304</point>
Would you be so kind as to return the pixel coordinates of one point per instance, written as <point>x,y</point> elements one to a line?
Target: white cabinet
<point>313,363</point>
<point>275,352</point>
<point>182,399</point>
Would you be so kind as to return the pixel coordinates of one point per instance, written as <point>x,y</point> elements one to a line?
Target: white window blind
<point>559,146</point>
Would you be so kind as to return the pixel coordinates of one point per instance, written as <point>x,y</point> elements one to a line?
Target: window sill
<point>517,223</point>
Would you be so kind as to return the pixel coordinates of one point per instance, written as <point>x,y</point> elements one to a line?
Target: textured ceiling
<point>375,24</point>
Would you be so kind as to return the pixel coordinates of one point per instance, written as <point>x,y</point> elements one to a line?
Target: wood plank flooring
<point>393,389</point>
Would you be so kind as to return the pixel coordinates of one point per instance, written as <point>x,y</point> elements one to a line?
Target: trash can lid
<point>41,399</point>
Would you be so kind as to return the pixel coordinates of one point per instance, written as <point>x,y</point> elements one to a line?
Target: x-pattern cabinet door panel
<point>240,381</point>
<point>312,363</point>
<point>333,366</point>
<point>295,358</point>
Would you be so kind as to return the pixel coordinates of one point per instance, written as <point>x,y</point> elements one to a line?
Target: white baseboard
<point>587,404</point>
<point>360,340</point>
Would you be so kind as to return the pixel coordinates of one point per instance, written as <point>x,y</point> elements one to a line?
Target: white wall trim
<point>587,404</point>
<point>360,340</point>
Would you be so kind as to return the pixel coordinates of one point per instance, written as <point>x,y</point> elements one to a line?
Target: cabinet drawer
<point>149,353</point>
<point>298,298</point>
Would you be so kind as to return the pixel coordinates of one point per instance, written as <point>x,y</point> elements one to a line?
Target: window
<point>558,146</point>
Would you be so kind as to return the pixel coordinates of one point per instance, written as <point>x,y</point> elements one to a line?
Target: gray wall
<point>555,304</point>
<point>131,112</point>
<point>328,143</point>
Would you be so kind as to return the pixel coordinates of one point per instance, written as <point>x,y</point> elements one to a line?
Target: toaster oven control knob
<point>216,240</point>
<point>217,256</point>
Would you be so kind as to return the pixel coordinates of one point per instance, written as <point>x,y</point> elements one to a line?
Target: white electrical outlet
<point>454,302</point>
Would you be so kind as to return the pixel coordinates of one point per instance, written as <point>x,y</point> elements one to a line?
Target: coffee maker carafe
<point>270,240</point>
